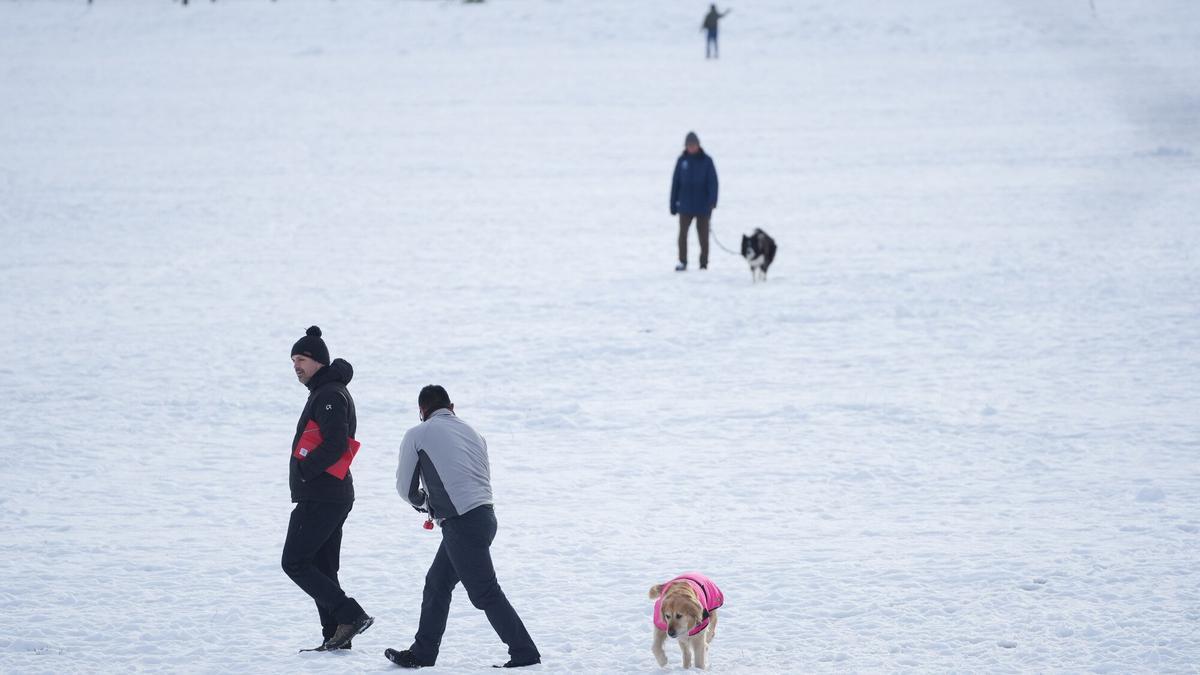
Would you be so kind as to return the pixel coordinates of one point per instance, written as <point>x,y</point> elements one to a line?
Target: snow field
<point>955,431</point>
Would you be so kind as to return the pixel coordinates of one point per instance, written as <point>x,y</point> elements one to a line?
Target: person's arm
<point>329,412</point>
<point>675,191</point>
<point>725,13</point>
<point>712,185</point>
<point>408,472</point>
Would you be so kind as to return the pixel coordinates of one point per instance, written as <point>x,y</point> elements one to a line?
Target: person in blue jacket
<point>693,197</point>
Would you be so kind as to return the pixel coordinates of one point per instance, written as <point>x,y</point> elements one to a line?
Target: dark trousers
<point>685,221</point>
<point>710,45</point>
<point>312,556</point>
<point>465,556</point>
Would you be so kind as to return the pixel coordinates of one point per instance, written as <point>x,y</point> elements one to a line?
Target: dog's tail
<point>712,627</point>
<point>655,591</point>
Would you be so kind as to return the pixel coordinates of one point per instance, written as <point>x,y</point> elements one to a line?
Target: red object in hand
<point>311,438</point>
<point>428,524</point>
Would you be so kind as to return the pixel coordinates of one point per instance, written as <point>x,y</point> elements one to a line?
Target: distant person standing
<point>444,471</point>
<point>693,197</point>
<point>312,550</point>
<point>710,25</point>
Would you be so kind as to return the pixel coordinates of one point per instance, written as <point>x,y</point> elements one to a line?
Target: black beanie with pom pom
<point>312,346</point>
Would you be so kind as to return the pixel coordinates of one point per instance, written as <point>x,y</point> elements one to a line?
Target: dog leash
<point>713,232</point>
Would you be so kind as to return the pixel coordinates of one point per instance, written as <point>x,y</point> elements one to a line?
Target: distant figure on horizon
<point>693,196</point>
<point>710,25</point>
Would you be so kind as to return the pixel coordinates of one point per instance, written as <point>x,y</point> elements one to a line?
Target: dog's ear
<point>655,591</point>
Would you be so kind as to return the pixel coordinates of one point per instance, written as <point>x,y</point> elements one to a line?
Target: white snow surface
<point>957,429</point>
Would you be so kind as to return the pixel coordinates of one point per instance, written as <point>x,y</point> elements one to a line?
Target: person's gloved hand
<point>423,505</point>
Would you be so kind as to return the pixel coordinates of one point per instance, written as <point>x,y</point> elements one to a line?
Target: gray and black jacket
<point>449,458</point>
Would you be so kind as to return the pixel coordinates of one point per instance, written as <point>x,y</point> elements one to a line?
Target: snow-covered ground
<point>958,429</point>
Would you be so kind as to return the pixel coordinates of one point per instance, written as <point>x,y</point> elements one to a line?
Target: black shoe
<point>322,648</point>
<point>404,659</point>
<point>681,267</point>
<point>513,663</point>
<point>346,631</point>
<point>314,649</point>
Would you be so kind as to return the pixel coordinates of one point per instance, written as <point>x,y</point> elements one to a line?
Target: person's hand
<point>422,506</point>
<point>674,212</point>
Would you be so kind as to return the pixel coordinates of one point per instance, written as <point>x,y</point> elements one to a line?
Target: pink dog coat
<point>711,598</point>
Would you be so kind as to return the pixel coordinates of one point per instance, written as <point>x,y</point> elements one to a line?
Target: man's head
<point>692,143</point>
<point>309,354</point>
<point>432,398</point>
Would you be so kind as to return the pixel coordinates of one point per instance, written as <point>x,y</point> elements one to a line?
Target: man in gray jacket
<point>449,459</point>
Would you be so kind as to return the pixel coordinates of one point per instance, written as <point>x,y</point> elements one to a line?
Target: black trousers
<point>685,221</point>
<point>312,556</point>
<point>465,556</point>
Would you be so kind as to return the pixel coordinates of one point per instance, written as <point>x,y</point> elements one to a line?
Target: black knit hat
<point>312,346</point>
<point>691,138</point>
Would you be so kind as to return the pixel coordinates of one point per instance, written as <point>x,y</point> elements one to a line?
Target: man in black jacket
<point>314,539</point>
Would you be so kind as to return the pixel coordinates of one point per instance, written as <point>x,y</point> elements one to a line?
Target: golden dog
<point>679,614</point>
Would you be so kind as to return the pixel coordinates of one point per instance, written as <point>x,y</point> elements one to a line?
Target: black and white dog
<point>759,251</point>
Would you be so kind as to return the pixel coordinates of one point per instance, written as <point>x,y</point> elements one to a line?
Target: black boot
<point>319,648</point>
<point>404,659</point>
<point>513,663</point>
<point>323,648</point>
<point>346,631</point>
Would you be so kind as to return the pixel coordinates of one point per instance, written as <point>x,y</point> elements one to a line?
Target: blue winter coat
<point>694,187</point>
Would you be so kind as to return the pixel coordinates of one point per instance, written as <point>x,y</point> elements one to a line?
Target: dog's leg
<point>712,627</point>
<point>686,650</point>
<point>700,646</point>
<point>659,655</point>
